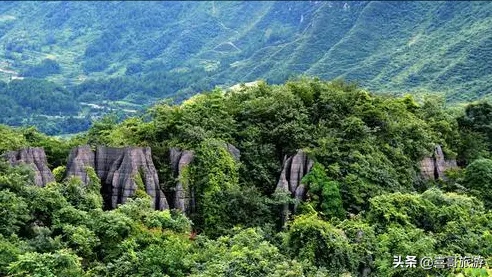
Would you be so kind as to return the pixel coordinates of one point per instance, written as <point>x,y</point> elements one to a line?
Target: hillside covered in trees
<point>359,161</point>
<point>121,55</point>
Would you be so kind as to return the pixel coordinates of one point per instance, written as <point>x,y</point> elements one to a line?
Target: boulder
<point>34,157</point>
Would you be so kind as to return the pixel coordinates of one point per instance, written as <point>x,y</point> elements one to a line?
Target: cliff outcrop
<point>80,158</point>
<point>433,167</point>
<point>293,170</point>
<point>123,171</point>
<point>184,196</point>
<point>120,171</point>
<point>34,157</point>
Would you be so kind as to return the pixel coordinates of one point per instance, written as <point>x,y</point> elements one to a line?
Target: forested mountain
<point>299,139</point>
<point>308,178</point>
<point>386,46</point>
<point>123,56</point>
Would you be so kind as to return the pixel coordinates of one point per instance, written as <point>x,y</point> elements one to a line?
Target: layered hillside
<point>386,46</point>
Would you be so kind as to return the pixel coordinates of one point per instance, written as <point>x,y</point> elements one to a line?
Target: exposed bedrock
<point>80,158</point>
<point>236,154</point>
<point>34,157</point>
<point>119,170</point>
<point>293,170</point>
<point>434,167</point>
<point>184,196</point>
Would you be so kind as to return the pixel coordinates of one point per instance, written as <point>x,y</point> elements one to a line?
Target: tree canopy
<point>366,199</point>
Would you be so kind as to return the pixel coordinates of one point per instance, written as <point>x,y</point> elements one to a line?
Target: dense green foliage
<point>45,68</point>
<point>478,178</point>
<point>366,200</point>
<point>33,102</point>
<point>68,67</point>
<point>324,194</point>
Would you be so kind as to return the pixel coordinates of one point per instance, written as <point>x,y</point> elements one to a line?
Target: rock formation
<point>184,196</point>
<point>293,170</point>
<point>35,158</point>
<point>236,154</point>
<point>427,167</point>
<point>80,158</point>
<point>434,167</point>
<point>118,169</point>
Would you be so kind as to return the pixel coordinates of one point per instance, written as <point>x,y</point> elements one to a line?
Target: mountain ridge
<point>125,55</point>
<point>371,42</point>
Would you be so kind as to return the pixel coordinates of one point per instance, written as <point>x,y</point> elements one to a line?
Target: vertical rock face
<point>434,167</point>
<point>294,169</point>
<point>80,158</point>
<point>118,169</point>
<point>236,154</point>
<point>36,158</point>
<point>427,166</point>
<point>183,196</point>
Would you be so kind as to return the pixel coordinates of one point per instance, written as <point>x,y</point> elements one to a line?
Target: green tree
<point>100,130</point>
<point>10,248</point>
<point>476,131</point>
<point>245,254</point>
<point>324,193</point>
<point>478,179</point>
<point>214,172</point>
<point>402,241</point>
<point>59,263</point>
<point>81,240</point>
<point>320,243</point>
<point>10,139</point>
<point>14,213</point>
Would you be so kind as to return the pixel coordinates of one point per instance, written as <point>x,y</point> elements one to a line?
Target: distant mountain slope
<point>386,46</point>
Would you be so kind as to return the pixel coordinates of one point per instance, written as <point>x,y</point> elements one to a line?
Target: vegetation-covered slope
<point>123,56</point>
<point>387,46</point>
<point>366,199</point>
